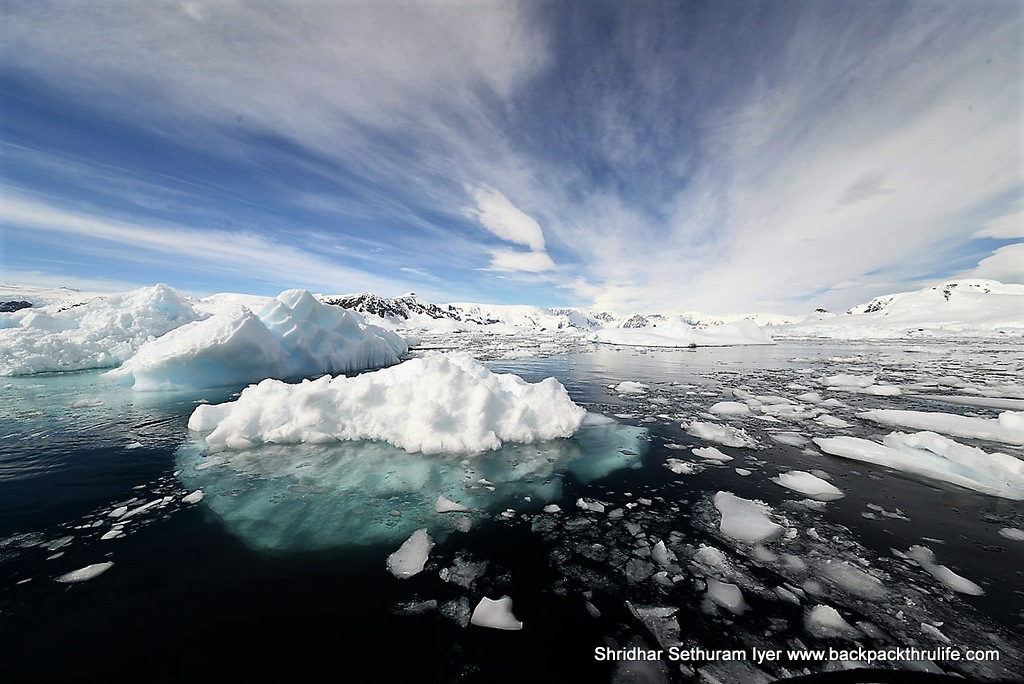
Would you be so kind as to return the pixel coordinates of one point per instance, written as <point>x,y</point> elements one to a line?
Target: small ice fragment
<point>552,508</point>
<point>825,622</point>
<point>86,573</point>
<point>680,467</point>
<point>742,472</point>
<point>925,557</point>
<point>590,505</point>
<point>631,387</point>
<point>727,596</point>
<point>446,505</point>
<point>193,498</point>
<point>411,556</point>
<point>809,485</point>
<point>118,512</point>
<point>1013,533</point>
<point>711,454</point>
<point>730,408</point>
<point>495,614</point>
<point>745,520</point>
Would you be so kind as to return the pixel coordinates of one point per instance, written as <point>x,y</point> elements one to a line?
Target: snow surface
<point>931,455</point>
<point>293,336</point>
<point>809,485</point>
<point>676,333</point>
<point>411,556</point>
<point>101,333</point>
<point>496,614</point>
<point>974,307</point>
<point>433,404</point>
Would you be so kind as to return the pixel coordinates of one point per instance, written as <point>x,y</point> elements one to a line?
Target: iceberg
<point>433,404</point>
<point>294,336</point>
<point>102,333</point>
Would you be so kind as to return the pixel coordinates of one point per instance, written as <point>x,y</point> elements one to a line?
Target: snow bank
<point>433,404</point>
<point>293,336</point>
<point>676,333</point>
<point>101,333</point>
<point>745,520</point>
<point>933,456</point>
<point>1007,428</point>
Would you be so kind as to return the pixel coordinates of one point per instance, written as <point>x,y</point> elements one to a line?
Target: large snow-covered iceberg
<point>677,333</point>
<point>293,336</point>
<point>101,333</point>
<point>433,404</point>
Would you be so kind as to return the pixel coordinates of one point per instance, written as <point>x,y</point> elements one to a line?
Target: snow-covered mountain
<point>956,307</point>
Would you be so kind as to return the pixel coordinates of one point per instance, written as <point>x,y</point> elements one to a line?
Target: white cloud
<point>1006,265</point>
<point>497,214</point>
<point>1006,227</point>
<point>511,260</point>
<point>240,254</point>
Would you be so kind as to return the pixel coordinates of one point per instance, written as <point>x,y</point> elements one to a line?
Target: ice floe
<point>411,556</point>
<point>925,557</point>
<point>721,434</point>
<point>933,456</point>
<point>676,333</point>
<point>1008,428</point>
<point>745,520</point>
<point>809,485</point>
<point>86,573</point>
<point>496,614</point>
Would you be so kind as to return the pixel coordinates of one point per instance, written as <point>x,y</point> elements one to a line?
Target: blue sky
<point>669,156</point>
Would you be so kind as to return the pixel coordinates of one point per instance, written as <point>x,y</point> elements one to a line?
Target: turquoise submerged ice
<point>299,497</point>
<point>349,461</point>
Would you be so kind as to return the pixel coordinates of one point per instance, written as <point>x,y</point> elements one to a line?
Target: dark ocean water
<point>190,596</point>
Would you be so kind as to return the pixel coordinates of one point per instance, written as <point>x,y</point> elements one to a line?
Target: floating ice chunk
<point>825,622</point>
<point>294,336</point>
<point>936,457</point>
<point>662,555</point>
<point>495,614</point>
<point>794,439</point>
<point>742,472</point>
<point>745,520</point>
<point>590,505</point>
<point>849,577</point>
<point>680,467</point>
<point>1008,428</point>
<point>846,380</point>
<point>412,555</point>
<point>730,408</point>
<point>926,559</point>
<point>809,485</point>
<point>446,505</point>
<point>552,508</point>
<point>727,596</point>
<point>433,404</point>
<point>831,421</point>
<point>711,454</point>
<point>194,497</point>
<point>86,573</point>
<point>1013,533</point>
<point>721,434</point>
<point>631,387</point>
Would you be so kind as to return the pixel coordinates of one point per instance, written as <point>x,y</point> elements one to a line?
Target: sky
<point>718,156</point>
